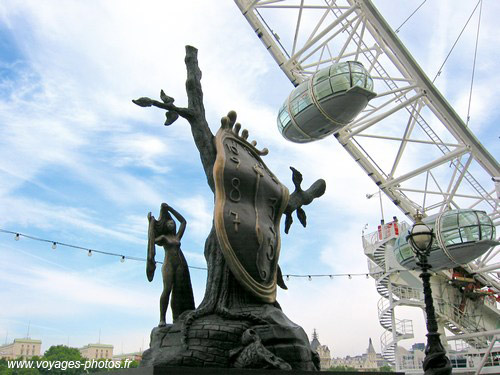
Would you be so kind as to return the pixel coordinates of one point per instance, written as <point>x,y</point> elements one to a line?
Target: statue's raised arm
<point>182,221</point>
<point>194,113</point>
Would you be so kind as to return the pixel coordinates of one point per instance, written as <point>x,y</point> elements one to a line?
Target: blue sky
<point>81,164</point>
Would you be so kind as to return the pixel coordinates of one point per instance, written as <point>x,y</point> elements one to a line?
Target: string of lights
<point>55,244</point>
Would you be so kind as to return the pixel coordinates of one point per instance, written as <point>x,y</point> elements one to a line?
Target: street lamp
<point>420,239</point>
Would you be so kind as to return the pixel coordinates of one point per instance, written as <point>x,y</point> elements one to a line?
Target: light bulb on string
<point>54,244</point>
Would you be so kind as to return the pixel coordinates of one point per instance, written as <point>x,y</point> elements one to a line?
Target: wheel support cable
<point>456,41</point>
<point>474,63</point>
<point>411,15</point>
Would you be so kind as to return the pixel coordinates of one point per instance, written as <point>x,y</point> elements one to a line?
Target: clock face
<point>248,207</point>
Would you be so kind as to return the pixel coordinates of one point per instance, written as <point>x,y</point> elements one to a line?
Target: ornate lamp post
<point>420,239</point>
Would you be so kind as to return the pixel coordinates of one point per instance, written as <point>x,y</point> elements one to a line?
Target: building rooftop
<point>315,342</point>
<point>370,349</point>
<point>23,341</point>
<point>29,340</point>
<point>97,346</point>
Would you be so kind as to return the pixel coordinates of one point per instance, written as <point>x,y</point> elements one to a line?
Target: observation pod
<point>460,237</point>
<point>326,102</point>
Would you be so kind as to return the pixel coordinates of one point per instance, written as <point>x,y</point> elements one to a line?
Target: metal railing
<point>408,293</point>
<point>374,268</point>
<point>404,327</point>
<point>458,316</point>
<point>401,293</point>
<point>464,361</point>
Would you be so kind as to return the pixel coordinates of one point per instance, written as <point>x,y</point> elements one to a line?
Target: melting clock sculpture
<point>239,323</point>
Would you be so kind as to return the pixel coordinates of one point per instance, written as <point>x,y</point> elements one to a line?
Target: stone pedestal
<point>224,342</point>
<point>159,370</point>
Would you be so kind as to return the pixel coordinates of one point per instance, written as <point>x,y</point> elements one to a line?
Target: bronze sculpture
<point>241,251</point>
<point>175,271</point>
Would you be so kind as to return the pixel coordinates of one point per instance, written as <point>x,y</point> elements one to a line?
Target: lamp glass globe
<point>421,236</point>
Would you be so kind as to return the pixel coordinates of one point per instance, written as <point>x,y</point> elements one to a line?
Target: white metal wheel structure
<point>432,163</point>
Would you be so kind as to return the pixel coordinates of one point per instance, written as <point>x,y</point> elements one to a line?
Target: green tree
<point>96,368</point>
<point>62,357</point>
<point>343,369</point>
<point>386,368</point>
<point>25,371</point>
<point>134,364</point>
<point>4,370</point>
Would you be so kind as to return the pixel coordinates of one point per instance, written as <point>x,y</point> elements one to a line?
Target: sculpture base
<point>160,370</point>
<point>224,341</point>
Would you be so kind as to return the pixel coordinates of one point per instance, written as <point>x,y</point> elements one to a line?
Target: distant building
<point>411,359</point>
<point>97,351</point>
<point>369,360</point>
<point>322,350</point>
<point>418,346</point>
<point>371,356</point>
<point>136,356</point>
<point>21,348</point>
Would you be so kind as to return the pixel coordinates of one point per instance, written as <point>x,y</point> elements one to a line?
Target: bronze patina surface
<point>239,323</point>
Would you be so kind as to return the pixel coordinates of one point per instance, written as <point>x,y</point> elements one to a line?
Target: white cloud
<point>32,213</point>
<point>198,215</point>
<point>56,292</point>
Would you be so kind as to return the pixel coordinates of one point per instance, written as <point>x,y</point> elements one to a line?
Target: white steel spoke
<point>297,27</point>
<point>363,119</point>
<point>398,79</point>
<point>317,65</point>
<point>297,7</point>
<point>444,159</point>
<point>366,124</point>
<point>490,254</point>
<point>318,25</point>
<point>409,128</point>
<point>409,140</point>
<point>318,37</point>
<point>255,2</point>
<point>396,90</point>
<point>325,43</point>
<point>436,182</point>
<point>375,60</point>
<point>440,193</point>
<point>360,43</point>
<point>425,188</point>
<point>491,267</point>
<point>351,34</point>
<point>322,61</point>
<point>314,50</point>
<point>490,194</point>
<point>459,180</point>
<point>262,3</point>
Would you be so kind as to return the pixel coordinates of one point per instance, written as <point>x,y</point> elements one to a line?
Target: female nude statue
<point>175,272</point>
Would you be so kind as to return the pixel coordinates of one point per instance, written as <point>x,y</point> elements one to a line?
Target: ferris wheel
<point>354,79</point>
